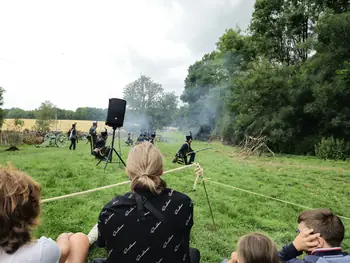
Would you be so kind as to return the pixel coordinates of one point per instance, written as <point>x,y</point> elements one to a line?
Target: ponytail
<point>153,183</point>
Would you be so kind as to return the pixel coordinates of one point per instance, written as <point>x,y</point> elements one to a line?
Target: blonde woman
<point>151,223</point>
<point>255,248</point>
<point>19,213</point>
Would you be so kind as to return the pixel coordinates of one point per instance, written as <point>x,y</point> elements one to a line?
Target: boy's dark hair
<point>325,222</point>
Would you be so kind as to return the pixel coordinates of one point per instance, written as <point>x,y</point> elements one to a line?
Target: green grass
<point>303,180</point>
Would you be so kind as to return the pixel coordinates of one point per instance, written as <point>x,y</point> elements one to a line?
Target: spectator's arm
<point>289,252</point>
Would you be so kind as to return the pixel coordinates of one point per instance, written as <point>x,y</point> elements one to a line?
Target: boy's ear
<point>321,242</point>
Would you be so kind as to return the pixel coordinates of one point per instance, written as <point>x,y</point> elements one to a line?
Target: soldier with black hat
<point>185,150</point>
<point>129,141</point>
<point>101,150</point>
<point>93,136</point>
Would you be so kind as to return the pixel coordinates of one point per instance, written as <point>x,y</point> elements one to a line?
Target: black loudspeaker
<point>116,113</point>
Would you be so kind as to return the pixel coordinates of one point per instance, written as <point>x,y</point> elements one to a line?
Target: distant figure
<point>101,150</point>
<point>153,136</point>
<point>93,136</point>
<point>129,141</point>
<point>141,138</point>
<point>185,150</point>
<point>73,137</point>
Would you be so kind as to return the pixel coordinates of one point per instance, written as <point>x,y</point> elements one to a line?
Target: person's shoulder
<point>177,195</point>
<point>50,251</point>
<point>46,240</point>
<point>119,200</point>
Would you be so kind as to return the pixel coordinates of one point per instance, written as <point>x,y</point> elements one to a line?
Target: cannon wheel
<point>48,136</point>
<point>61,140</point>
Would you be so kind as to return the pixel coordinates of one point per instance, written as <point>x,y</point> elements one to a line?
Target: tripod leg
<point>108,159</point>
<point>99,162</point>
<point>120,158</point>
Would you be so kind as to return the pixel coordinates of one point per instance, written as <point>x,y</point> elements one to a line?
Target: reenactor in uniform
<point>129,141</point>
<point>93,136</point>
<point>185,150</point>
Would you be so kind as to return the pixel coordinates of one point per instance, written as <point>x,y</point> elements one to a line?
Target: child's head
<point>19,208</point>
<point>324,222</point>
<point>256,248</point>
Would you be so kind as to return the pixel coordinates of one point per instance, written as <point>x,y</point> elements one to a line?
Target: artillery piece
<point>160,138</point>
<point>51,139</point>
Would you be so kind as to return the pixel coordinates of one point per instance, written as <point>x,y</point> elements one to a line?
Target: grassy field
<point>301,180</point>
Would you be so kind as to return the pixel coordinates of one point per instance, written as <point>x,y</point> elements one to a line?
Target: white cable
<point>104,187</point>
<point>265,196</point>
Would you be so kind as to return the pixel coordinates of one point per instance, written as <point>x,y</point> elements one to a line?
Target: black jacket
<point>160,236</point>
<point>185,149</point>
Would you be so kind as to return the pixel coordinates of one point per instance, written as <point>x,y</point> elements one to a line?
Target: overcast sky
<point>79,53</point>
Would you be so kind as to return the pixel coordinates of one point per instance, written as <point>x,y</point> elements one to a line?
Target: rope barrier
<point>105,187</point>
<point>265,196</point>
<point>174,170</point>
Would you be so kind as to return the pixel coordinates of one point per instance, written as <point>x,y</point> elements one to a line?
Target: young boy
<point>321,233</point>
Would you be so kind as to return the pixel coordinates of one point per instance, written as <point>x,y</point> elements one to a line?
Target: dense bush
<point>334,149</point>
<point>306,146</point>
<point>33,139</point>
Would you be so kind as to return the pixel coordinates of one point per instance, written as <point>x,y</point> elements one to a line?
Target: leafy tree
<point>142,94</point>
<point>148,104</point>
<point>284,30</point>
<point>14,113</point>
<point>45,116</point>
<point>208,85</point>
<point>288,77</point>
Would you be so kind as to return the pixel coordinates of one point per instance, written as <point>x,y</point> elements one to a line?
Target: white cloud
<point>81,52</point>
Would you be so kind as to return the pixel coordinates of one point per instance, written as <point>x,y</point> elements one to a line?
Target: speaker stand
<point>108,159</point>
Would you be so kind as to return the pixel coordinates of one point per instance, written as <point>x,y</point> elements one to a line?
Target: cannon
<point>51,139</point>
<point>160,138</point>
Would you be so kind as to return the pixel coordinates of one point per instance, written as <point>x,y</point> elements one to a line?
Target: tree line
<point>287,77</point>
<point>82,113</point>
<point>148,106</point>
